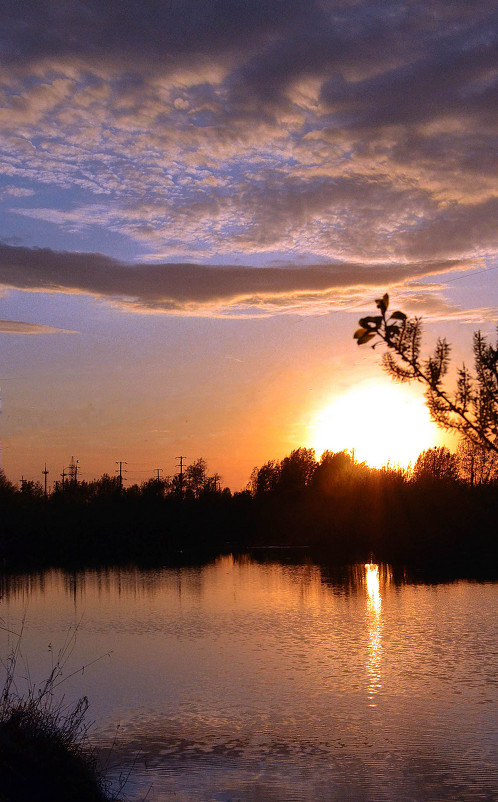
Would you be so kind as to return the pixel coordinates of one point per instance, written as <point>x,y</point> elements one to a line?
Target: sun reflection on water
<point>374,617</point>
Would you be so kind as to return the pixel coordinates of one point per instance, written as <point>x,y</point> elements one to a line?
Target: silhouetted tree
<point>31,489</point>
<point>196,481</point>
<point>264,479</point>
<point>212,484</point>
<point>154,488</point>
<point>436,463</point>
<point>7,489</point>
<point>106,486</point>
<point>472,409</point>
<point>296,470</point>
<point>195,477</point>
<point>332,468</point>
<point>477,465</point>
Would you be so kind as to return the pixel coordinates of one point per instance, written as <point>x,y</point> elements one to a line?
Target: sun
<point>383,423</point>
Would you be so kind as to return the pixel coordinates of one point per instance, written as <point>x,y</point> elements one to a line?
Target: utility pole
<point>181,474</point>
<point>63,475</point>
<point>119,471</point>
<point>23,482</point>
<point>45,474</point>
<point>158,472</point>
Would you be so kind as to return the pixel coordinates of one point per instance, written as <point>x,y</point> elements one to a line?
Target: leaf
<point>382,303</point>
<point>365,338</point>
<point>359,333</point>
<point>398,315</point>
<point>370,321</point>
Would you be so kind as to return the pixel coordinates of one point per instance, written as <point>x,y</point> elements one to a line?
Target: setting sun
<point>381,422</point>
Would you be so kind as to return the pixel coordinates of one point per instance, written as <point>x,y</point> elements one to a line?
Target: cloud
<point>359,131</point>
<point>16,192</point>
<point>355,217</point>
<point>455,79</point>
<point>194,289</point>
<point>17,327</point>
<point>121,33</point>
<point>427,300</point>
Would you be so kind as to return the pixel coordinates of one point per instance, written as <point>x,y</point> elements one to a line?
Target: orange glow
<point>373,588</point>
<point>382,422</point>
<point>374,614</point>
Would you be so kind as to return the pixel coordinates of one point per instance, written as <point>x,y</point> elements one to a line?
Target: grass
<point>45,754</point>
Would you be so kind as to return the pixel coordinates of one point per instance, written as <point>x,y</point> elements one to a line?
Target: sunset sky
<point>200,199</point>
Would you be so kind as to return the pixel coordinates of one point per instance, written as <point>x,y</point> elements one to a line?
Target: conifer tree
<point>472,407</point>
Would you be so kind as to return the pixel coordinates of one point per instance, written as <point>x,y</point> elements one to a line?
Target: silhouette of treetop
<point>472,408</point>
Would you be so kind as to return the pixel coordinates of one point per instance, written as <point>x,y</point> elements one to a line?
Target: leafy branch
<point>472,409</point>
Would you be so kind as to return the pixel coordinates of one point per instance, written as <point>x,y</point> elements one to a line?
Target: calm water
<point>240,681</point>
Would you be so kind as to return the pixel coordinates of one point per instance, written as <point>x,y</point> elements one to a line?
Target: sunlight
<point>381,422</point>
<point>374,610</point>
<point>373,587</point>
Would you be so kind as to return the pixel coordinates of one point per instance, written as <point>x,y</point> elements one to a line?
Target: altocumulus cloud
<point>358,132</point>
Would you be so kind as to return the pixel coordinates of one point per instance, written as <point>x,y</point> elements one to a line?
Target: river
<point>245,681</point>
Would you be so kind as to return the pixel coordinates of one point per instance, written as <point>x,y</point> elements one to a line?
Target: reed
<point>45,753</point>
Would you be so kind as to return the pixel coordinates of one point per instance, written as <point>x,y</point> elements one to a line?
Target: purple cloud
<point>200,289</point>
<point>354,131</point>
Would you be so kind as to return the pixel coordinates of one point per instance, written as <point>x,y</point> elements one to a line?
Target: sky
<point>198,200</point>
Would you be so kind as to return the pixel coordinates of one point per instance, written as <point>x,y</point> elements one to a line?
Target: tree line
<point>472,463</point>
<point>190,483</point>
<point>443,513</point>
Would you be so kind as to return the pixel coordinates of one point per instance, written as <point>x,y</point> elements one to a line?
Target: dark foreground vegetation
<point>443,513</point>
<point>44,750</point>
<point>39,760</point>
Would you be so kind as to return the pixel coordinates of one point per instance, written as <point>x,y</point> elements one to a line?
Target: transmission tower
<point>73,471</point>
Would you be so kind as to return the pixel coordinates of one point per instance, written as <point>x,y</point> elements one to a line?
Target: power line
<point>475,273</point>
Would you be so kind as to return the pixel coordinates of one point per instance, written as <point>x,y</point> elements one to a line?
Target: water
<point>254,682</point>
